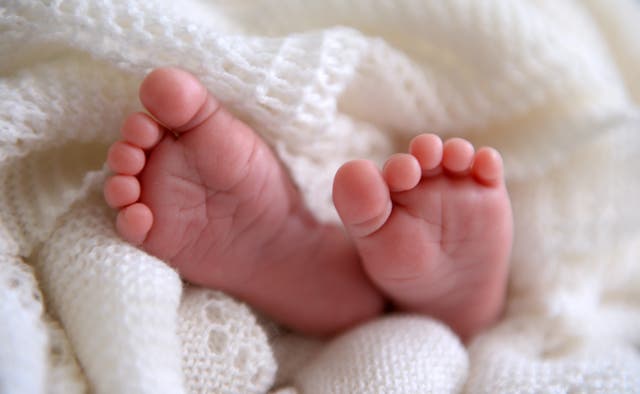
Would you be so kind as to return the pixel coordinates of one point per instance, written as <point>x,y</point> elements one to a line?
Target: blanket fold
<point>553,85</point>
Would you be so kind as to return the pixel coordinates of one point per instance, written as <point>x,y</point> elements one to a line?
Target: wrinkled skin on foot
<point>433,228</point>
<point>217,205</point>
<point>199,189</point>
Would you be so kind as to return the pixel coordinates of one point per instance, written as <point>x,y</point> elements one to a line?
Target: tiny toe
<point>126,159</point>
<point>487,166</point>
<point>402,172</point>
<point>121,190</point>
<point>141,131</point>
<point>427,148</point>
<point>457,156</point>
<point>176,98</point>
<point>134,222</point>
<point>361,197</point>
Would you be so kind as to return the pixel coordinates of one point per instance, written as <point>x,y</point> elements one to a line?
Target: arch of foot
<point>396,354</point>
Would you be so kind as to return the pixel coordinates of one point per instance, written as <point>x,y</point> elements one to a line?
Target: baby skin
<point>430,233</point>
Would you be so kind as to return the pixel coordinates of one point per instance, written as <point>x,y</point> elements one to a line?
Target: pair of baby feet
<point>431,233</point>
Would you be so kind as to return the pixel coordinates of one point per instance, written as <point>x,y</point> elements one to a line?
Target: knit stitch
<point>554,85</point>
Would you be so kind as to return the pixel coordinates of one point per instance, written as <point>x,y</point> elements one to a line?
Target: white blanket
<point>554,85</point>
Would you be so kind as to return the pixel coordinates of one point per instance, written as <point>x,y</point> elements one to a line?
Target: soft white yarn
<point>232,348</point>
<point>392,355</point>
<point>553,84</point>
<point>35,355</point>
<point>24,342</point>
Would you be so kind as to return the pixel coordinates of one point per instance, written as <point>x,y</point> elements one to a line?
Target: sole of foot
<point>433,229</point>
<point>199,189</point>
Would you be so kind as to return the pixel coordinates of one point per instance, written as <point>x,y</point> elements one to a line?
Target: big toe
<point>173,96</point>
<point>361,197</point>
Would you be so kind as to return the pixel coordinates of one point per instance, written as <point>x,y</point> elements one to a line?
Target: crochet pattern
<point>553,85</point>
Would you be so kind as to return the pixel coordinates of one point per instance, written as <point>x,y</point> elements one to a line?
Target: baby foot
<point>199,189</point>
<point>434,229</point>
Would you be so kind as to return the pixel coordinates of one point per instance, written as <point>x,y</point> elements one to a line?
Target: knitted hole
<point>14,283</point>
<point>217,341</point>
<point>554,349</point>
<point>241,359</point>
<point>256,377</point>
<point>124,21</point>
<point>408,85</point>
<point>226,66</point>
<point>210,295</point>
<point>213,312</point>
<point>56,352</point>
<point>184,36</point>
<point>155,28</point>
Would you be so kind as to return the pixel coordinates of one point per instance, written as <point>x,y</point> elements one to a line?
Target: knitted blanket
<point>554,85</point>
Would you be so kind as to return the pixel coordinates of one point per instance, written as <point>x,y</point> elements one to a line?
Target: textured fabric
<point>35,355</point>
<point>232,338</point>
<point>554,85</point>
<point>24,341</point>
<point>392,355</point>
